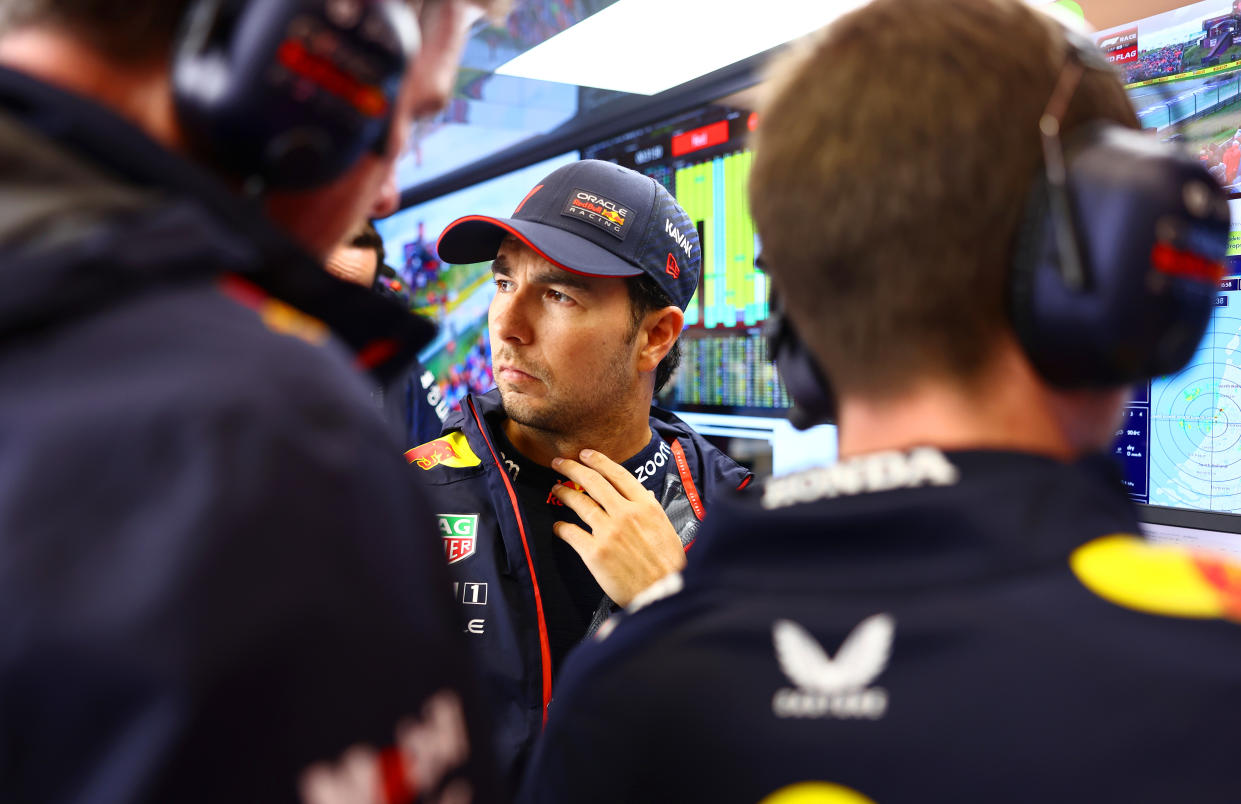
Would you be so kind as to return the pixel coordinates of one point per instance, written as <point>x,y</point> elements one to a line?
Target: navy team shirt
<point>571,594</point>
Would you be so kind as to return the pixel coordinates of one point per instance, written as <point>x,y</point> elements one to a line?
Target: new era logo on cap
<point>594,218</point>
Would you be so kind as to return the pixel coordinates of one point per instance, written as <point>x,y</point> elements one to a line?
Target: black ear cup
<point>813,400</point>
<point>291,93</point>
<point>1148,227</point>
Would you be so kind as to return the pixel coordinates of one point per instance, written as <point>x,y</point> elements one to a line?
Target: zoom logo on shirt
<point>647,471</point>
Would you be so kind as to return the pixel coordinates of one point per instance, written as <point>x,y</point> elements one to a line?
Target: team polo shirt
<point>571,596</point>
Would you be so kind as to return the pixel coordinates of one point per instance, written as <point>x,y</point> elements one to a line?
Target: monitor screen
<point>1183,74</point>
<point>1180,440</point>
<point>455,296</point>
<point>700,156</point>
<point>1179,443</point>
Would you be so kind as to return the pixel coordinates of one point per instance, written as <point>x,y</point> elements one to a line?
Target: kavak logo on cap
<point>605,213</point>
<point>681,240</point>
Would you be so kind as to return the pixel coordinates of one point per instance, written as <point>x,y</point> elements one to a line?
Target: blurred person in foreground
<point>563,493</point>
<point>216,582</point>
<point>960,609</point>
<point>410,401</point>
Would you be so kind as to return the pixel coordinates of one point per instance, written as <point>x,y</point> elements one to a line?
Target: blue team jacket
<point>489,556</point>
<point>908,628</point>
<point>216,578</point>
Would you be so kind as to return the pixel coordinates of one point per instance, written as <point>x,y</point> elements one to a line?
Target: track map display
<point>1180,442</point>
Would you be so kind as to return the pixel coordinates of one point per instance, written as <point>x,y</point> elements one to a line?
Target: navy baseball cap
<point>593,218</point>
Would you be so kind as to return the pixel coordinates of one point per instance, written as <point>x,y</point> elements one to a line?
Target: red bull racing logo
<point>451,450</point>
<point>460,534</point>
<point>614,216</point>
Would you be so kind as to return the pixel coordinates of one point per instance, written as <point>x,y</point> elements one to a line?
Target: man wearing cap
<point>562,493</point>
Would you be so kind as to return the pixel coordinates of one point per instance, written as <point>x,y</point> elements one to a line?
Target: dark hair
<point>645,297</point>
<point>129,33</point>
<point>368,237</point>
<point>139,31</point>
<point>888,199</point>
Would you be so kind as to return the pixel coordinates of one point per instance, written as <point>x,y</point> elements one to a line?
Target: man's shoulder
<point>246,347</point>
<point>1182,605</point>
<point>190,357</point>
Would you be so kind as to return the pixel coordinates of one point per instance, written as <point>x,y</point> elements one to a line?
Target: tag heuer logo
<point>459,532</point>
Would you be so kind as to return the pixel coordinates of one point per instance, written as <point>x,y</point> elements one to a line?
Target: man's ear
<point>662,328</point>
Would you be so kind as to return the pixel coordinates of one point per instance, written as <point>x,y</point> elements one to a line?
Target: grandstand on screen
<point>1219,42</point>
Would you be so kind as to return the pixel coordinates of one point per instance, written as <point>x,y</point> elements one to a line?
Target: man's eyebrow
<point>564,278</point>
<point>500,265</point>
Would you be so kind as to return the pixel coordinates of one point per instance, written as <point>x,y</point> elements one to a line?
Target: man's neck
<point>1007,408</point>
<point>619,441</point>
<point>140,93</point>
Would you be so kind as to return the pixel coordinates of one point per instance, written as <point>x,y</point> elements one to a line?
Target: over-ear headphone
<point>289,94</point>
<point>1119,252</point>
<point>1115,266</point>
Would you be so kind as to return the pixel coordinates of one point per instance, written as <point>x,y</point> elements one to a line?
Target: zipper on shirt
<point>545,651</point>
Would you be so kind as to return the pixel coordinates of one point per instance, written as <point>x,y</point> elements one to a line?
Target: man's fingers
<point>620,477</point>
<point>583,505</point>
<point>596,484</point>
<point>577,538</point>
<point>603,478</point>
